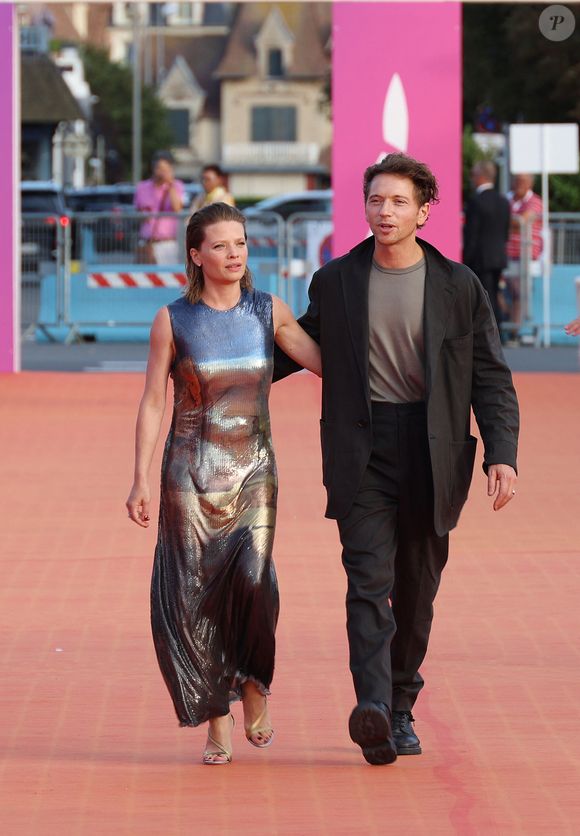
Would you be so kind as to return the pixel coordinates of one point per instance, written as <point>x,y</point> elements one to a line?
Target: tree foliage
<point>113,113</point>
<point>522,76</point>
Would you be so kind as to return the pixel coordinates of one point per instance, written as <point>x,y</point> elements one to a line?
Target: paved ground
<point>119,357</point>
<point>89,741</point>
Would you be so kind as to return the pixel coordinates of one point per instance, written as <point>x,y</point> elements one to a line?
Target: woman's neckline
<point>222,310</point>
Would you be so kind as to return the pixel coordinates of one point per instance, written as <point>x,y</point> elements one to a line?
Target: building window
<point>275,63</point>
<point>157,14</point>
<point>273,124</point>
<point>182,14</point>
<point>121,14</point>
<point>178,119</point>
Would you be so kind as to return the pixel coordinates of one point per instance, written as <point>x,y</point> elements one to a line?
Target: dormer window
<point>275,63</point>
<point>274,46</point>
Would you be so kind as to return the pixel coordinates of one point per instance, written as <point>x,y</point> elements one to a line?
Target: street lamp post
<point>137,122</point>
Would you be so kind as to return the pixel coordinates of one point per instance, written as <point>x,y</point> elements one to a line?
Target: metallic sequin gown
<point>214,595</point>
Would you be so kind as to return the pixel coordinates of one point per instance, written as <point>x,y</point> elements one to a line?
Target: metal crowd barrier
<point>308,246</point>
<point>44,249</point>
<point>267,253</point>
<point>565,229</point>
<point>86,276</point>
<point>546,283</point>
<point>100,276</point>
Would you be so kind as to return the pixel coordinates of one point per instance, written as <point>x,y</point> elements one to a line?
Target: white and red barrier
<point>266,243</point>
<point>136,279</point>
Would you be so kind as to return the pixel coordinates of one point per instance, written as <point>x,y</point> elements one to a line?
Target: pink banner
<point>9,325</point>
<point>397,87</point>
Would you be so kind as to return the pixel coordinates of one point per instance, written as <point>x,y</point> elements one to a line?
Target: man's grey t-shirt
<point>396,343</point>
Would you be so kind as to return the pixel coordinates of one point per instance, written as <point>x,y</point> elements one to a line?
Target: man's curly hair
<point>423,179</point>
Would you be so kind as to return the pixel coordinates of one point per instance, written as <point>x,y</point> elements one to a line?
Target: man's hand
<point>501,480</point>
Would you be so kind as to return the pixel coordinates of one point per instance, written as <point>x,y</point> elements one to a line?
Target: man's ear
<point>423,215</point>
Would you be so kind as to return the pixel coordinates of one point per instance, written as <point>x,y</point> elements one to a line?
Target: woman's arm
<point>150,415</point>
<point>293,340</point>
<point>309,322</point>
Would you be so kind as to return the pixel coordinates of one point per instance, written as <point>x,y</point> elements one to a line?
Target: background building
<point>52,122</point>
<point>275,127</point>
<point>244,84</point>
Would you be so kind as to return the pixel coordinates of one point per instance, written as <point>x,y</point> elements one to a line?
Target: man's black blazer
<point>486,231</point>
<point>464,368</point>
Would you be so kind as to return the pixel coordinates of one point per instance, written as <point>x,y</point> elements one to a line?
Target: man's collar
<point>484,188</point>
<point>520,201</point>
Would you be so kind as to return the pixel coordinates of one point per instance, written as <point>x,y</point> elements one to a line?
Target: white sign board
<point>537,148</point>
<point>77,145</point>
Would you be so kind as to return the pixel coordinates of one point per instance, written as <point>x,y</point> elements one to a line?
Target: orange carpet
<point>90,744</point>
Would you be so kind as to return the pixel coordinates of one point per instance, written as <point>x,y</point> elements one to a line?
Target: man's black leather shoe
<point>370,728</point>
<point>406,740</point>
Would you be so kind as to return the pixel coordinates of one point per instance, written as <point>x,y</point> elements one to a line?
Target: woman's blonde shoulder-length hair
<point>194,236</point>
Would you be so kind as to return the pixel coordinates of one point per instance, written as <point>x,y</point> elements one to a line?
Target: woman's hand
<point>573,328</point>
<point>150,415</point>
<point>138,504</point>
<point>293,340</point>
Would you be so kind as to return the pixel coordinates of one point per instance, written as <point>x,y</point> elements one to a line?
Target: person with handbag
<point>162,193</point>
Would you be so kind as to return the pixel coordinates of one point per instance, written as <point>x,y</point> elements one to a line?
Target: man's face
<point>209,180</point>
<point>522,183</point>
<point>392,210</point>
<point>476,177</point>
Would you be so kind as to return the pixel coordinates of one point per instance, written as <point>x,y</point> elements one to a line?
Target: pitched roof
<point>63,27</point>
<point>45,97</point>
<point>202,55</point>
<point>309,22</point>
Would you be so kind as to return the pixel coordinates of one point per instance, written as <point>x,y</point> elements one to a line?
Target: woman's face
<point>223,254</point>
<point>209,180</point>
<point>163,171</point>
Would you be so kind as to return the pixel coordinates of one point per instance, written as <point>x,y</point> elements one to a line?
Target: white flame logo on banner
<point>395,117</point>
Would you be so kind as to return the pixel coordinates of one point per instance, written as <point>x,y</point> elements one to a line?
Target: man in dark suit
<point>486,231</point>
<point>409,344</point>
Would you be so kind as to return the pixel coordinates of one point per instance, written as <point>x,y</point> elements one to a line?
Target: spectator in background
<point>526,209</point>
<point>214,190</point>
<point>161,193</point>
<point>487,226</point>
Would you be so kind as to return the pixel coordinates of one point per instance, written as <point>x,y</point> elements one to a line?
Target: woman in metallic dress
<point>214,596</point>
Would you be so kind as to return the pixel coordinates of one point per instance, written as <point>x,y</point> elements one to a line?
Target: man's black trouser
<point>391,550</point>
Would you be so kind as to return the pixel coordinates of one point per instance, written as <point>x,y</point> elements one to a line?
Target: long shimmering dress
<point>214,595</point>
